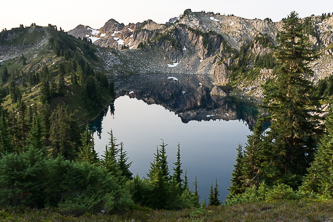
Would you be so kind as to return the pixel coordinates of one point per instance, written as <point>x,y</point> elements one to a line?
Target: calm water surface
<point>208,148</point>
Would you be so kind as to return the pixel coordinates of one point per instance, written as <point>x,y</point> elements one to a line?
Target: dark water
<point>208,148</point>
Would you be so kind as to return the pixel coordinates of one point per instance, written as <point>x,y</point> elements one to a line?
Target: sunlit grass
<point>300,210</point>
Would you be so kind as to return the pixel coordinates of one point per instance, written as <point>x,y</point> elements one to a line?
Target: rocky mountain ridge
<point>202,43</point>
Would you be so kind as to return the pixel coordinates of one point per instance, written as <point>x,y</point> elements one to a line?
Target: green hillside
<point>43,57</point>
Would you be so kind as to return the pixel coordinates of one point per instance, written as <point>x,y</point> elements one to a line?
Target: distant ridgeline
<point>234,51</point>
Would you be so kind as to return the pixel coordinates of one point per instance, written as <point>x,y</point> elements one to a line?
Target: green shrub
<point>31,180</point>
<point>265,193</point>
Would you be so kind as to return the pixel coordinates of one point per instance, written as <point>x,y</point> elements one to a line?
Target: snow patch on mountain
<point>115,32</point>
<point>213,19</point>
<point>93,39</point>
<point>172,65</point>
<point>173,78</point>
<point>93,31</point>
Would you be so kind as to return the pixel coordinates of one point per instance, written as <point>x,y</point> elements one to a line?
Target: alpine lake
<point>177,109</point>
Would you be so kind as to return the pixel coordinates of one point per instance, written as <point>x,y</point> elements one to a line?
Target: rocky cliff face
<point>23,41</point>
<point>203,43</point>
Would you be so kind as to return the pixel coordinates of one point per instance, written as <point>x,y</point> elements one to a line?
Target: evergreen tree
<point>213,195</point>
<point>53,88</point>
<point>45,112</point>
<point>320,174</point>
<point>64,133</point>
<point>22,109</point>
<point>6,145</point>
<point>36,134</point>
<point>44,73</point>
<point>254,161</point>
<point>15,131</point>
<point>216,194</point>
<point>139,190</point>
<point>290,102</point>
<point>61,85</point>
<point>87,151</point>
<point>79,75</point>
<point>185,188</point>
<point>44,93</point>
<point>154,166</point>
<point>236,176</point>
<point>163,161</point>
<point>196,197</point>
<point>15,92</point>
<point>113,147</point>
<point>123,164</point>
<point>30,116</point>
<point>62,70</point>
<point>5,75</point>
<point>158,196</point>
<point>177,169</point>
<point>109,160</point>
<point>283,153</point>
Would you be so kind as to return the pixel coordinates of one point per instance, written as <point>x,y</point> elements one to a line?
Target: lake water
<point>208,148</point>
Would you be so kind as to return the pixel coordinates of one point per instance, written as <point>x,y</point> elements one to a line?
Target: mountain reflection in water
<point>208,140</point>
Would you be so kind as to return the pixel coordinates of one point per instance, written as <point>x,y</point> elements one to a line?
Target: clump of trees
<point>161,190</point>
<point>286,159</point>
<point>47,161</point>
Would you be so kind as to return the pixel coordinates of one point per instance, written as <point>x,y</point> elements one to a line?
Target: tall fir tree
<point>320,176</point>
<point>214,195</point>
<point>284,152</point>
<point>123,163</point>
<point>163,161</point>
<point>237,174</point>
<point>289,99</point>
<point>87,151</point>
<point>158,182</point>
<point>178,171</point>
<point>186,187</point>
<point>254,158</point>
<point>35,135</point>
<point>53,88</point>
<point>196,197</point>
<point>109,159</point>
<point>6,145</point>
<point>45,112</point>
<point>44,93</point>
<point>61,85</point>
<point>64,133</point>
<point>22,112</point>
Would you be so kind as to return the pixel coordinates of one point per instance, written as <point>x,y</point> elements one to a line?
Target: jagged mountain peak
<point>208,43</point>
<point>235,30</point>
<point>83,31</point>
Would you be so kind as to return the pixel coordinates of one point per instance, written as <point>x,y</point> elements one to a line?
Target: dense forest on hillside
<point>62,72</point>
<point>48,163</point>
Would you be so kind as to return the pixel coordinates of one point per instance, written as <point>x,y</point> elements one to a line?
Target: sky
<point>67,14</point>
